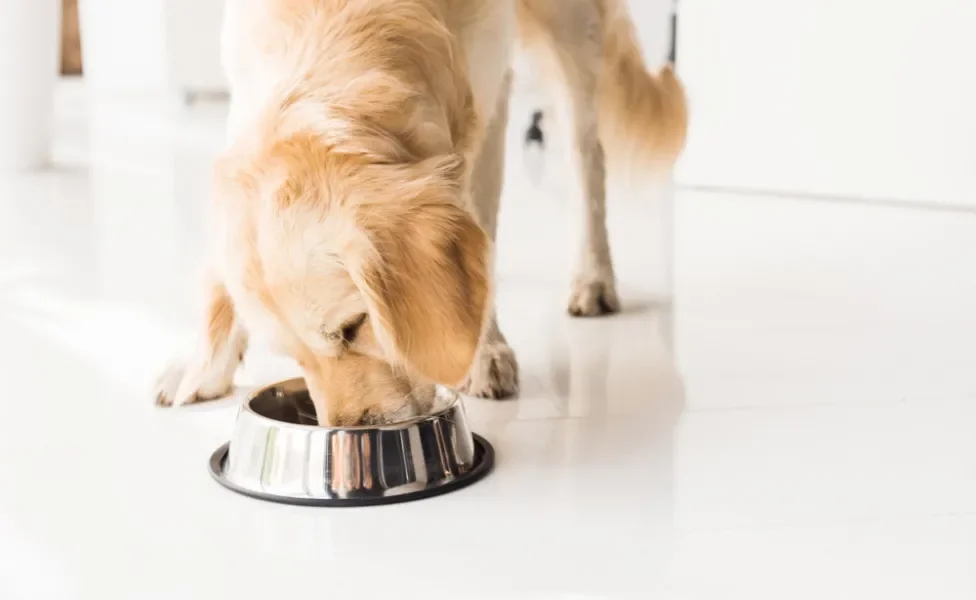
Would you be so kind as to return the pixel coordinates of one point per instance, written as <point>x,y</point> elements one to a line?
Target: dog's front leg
<point>494,373</point>
<point>209,371</point>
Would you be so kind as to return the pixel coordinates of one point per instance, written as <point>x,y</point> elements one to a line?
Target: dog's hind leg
<point>568,44</point>
<point>594,289</point>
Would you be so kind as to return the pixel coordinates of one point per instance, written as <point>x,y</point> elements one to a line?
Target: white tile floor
<point>810,435</point>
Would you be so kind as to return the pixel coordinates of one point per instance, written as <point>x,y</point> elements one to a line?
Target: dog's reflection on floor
<point>601,368</point>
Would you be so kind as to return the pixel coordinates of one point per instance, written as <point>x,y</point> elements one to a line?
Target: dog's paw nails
<point>167,384</point>
<point>593,298</point>
<point>494,374</point>
<point>163,399</point>
<point>176,400</point>
<point>175,387</point>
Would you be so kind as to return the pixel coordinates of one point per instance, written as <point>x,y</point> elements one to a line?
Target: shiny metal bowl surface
<point>279,453</point>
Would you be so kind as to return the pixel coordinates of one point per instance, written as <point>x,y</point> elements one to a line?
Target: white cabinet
<point>652,21</point>
<point>864,98</point>
<point>193,45</point>
<point>152,46</point>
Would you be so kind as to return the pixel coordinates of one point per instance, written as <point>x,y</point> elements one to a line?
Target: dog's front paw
<point>182,384</point>
<point>593,298</point>
<point>494,373</point>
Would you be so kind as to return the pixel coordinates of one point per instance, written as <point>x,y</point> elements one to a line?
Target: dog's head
<point>372,276</point>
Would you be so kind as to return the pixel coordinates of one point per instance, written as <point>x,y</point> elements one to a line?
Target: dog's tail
<point>643,117</point>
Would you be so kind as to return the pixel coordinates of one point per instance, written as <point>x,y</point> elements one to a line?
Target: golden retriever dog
<point>355,204</point>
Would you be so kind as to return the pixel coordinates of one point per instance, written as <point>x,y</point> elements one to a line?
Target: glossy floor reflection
<point>797,424</point>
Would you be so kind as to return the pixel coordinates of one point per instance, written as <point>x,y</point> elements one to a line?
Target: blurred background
<point>856,99</point>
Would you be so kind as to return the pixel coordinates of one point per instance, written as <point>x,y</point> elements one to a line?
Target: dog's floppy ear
<point>426,281</point>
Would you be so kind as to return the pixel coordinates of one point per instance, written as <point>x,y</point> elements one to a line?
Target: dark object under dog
<point>534,133</point>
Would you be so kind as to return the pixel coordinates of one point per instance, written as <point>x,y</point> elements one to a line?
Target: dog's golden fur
<point>356,199</point>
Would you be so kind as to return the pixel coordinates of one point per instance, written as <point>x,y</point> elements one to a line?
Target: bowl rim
<point>456,402</point>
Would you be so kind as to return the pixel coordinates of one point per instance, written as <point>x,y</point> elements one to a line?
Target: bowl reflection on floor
<point>279,453</point>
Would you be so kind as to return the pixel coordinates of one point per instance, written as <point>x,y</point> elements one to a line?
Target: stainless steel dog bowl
<point>279,453</point>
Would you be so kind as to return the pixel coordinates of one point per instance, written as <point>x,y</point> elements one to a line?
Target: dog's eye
<point>351,329</point>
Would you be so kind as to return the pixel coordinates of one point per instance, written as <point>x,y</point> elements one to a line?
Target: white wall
<point>873,98</point>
